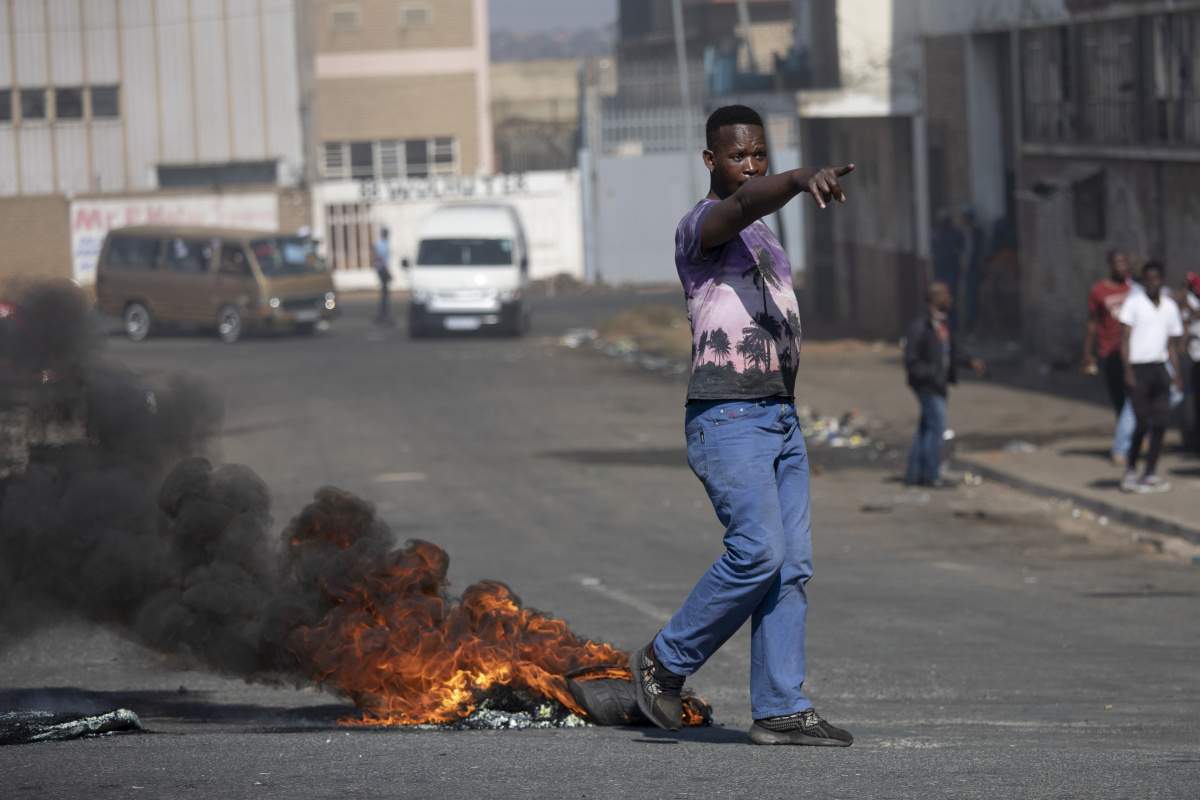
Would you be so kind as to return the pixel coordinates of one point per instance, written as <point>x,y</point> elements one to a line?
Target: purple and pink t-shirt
<point>743,311</point>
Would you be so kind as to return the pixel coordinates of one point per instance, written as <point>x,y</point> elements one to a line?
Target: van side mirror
<point>525,264</point>
<point>405,263</point>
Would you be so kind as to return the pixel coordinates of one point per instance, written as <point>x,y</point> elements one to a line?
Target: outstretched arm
<point>762,196</point>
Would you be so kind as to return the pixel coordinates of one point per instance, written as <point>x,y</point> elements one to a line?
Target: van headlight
<point>330,301</point>
<point>509,295</point>
<point>274,302</point>
<point>421,297</point>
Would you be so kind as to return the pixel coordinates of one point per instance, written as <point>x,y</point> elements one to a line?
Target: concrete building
<point>120,98</point>
<point>401,89</point>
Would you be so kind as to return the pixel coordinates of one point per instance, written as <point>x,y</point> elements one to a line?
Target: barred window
<point>335,163</point>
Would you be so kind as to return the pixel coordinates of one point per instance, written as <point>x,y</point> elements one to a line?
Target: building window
<point>68,103</point>
<point>33,104</point>
<point>415,16</point>
<point>106,102</point>
<point>362,160</point>
<point>233,173</point>
<point>1089,207</point>
<point>345,18</point>
<point>416,157</point>
<point>6,109</point>
<point>389,159</point>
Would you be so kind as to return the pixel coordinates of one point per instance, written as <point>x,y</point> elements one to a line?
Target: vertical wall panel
<point>212,92</point>
<point>5,61</point>
<point>175,73</point>
<point>71,143</point>
<point>100,26</point>
<point>245,79</point>
<point>8,161</point>
<point>283,85</point>
<point>66,43</point>
<point>139,106</point>
<point>36,157</point>
<point>29,23</point>
<point>108,167</point>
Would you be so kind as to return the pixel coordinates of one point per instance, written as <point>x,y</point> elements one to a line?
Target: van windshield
<point>286,255</point>
<point>465,252</point>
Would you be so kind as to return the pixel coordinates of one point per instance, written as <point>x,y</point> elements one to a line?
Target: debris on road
<point>1020,446</point>
<point>29,727</point>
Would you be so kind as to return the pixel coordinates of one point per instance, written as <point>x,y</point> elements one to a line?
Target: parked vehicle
<point>230,280</point>
<point>471,271</point>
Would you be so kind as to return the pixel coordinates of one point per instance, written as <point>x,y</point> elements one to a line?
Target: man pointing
<point>744,440</point>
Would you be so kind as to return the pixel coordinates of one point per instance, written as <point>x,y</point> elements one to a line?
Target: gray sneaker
<point>1152,484</point>
<point>1129,483</point>
<point>803,728</point>
<point>657,689</point>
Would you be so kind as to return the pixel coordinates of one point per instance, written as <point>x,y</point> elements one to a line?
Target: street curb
<point>1135,519</point>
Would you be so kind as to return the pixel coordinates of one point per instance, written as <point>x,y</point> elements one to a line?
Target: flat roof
<point>200,231</point>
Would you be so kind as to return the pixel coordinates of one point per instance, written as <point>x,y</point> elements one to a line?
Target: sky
<point>539,15</point>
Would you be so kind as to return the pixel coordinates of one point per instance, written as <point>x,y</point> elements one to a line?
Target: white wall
<point>548,204</point>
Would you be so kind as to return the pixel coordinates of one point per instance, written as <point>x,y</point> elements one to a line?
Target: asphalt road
<point>974,648</point>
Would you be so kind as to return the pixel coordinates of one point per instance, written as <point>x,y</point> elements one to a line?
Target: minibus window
<point>465,252</point>
<point>188,256</point>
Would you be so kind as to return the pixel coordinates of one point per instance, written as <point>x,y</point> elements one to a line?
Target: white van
<point>470,273</point>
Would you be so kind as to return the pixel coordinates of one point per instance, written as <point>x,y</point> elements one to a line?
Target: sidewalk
<point>1040,442</point>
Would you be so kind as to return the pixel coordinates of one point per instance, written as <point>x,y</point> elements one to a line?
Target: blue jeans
<point>925,457</point>
<point>1123,436</point>
<point>750,455</point>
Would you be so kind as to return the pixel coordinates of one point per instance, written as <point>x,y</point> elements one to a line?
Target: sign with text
<point>91,220</point>
<point>448,187</point>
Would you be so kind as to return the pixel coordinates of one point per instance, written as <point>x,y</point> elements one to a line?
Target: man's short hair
<point>1113,253</point>
<point>1155,266</point>
<point>726,116</point>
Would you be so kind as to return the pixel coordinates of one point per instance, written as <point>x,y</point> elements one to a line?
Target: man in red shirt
<point>1103,337</point>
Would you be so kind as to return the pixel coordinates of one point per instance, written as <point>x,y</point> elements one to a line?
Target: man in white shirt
<point>1151,332</point>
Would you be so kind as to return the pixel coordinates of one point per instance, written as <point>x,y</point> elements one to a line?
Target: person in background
<point>381,259</point>
<point>931,359</point>
<point>1102,341</point>
<point>1151,331</point>
<point>1191,311</point>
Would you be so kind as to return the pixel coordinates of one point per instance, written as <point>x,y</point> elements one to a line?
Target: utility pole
<point>685,97</point>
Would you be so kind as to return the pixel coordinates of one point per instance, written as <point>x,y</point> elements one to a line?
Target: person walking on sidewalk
<point>1102,341</point>
<point>744,441</point>
<point>381,260</point>
<point>931,359</point>
<point>1151,331</point>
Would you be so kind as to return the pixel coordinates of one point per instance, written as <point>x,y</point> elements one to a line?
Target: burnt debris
<point>31,727</point>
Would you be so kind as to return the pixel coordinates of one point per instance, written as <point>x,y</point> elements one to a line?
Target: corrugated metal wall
<point>201,81</point>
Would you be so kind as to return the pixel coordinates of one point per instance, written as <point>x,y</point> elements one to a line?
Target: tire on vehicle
<point>137,321</point>
<point>229,324</point>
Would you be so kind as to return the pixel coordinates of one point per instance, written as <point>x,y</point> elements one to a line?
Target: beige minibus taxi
<point>231,280</point>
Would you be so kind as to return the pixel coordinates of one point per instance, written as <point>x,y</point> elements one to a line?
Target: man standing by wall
<point>1151,331</point>
<point>1102,340</point>
<point>381,260</point>
<point>1192,311</point>
<point>931,359</point>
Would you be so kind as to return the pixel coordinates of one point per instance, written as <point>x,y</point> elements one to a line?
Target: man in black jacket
<point>931,358</point>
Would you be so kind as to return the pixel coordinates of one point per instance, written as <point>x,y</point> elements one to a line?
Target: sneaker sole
<point>636,670</point>
<point>763,736</point>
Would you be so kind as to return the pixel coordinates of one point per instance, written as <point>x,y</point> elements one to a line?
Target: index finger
<point>846,170</point>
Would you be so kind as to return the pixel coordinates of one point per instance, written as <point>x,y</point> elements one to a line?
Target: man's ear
<point>710,160</point>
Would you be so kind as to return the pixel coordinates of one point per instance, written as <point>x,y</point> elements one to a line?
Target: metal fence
<point>1127,81</point>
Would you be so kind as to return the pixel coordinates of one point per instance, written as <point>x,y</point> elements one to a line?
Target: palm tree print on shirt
<point>718,342</point>
<point>763,273</point>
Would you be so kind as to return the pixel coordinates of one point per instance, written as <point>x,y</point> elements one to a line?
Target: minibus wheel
<point>229,324</point>
<point>136,319</point>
